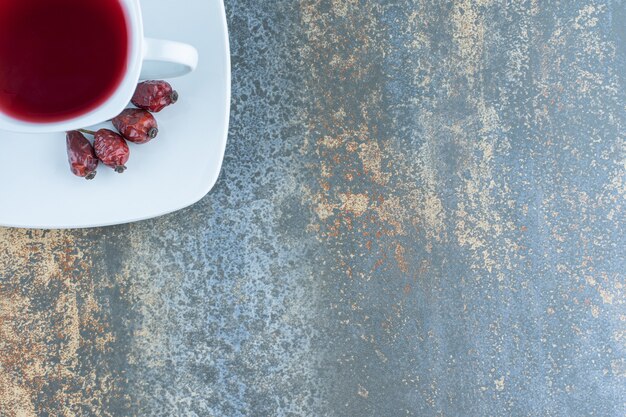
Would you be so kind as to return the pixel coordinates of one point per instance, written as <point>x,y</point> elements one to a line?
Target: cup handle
<point>167,59</point>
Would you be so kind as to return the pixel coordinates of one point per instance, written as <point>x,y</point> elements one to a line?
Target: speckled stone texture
<point>421,213</point>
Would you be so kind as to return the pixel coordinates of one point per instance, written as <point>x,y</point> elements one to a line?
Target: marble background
<point>421,213</point>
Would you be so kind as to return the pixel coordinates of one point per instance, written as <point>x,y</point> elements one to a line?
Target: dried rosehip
<point>136,125</point>
<point>154,95</point>
<point>81,155</point>
<point>111,149</point>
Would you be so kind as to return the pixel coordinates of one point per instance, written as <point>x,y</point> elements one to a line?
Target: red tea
<point>60,58</point>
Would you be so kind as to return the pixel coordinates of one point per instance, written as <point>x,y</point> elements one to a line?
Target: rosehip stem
<point>89,132</point>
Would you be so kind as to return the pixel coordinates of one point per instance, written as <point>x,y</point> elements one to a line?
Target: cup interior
<point>112,104</point>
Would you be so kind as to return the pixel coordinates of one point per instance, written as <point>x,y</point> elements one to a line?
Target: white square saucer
<point>175,170</point>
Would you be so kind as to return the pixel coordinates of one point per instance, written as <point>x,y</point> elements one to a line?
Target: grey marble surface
<point>421,213</point>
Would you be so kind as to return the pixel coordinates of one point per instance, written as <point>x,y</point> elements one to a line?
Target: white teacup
<point>147,59</point>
